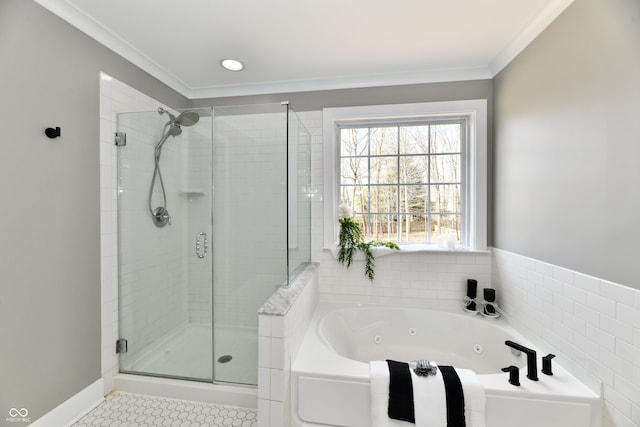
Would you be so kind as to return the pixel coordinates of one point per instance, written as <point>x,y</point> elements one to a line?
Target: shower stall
<point>213,216</point>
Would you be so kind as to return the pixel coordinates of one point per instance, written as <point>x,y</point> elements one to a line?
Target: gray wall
<point>567,147</point>
<point>317,100</point>
<point>50,208</point>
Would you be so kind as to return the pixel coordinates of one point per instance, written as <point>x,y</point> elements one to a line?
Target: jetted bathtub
<point>330,375</point>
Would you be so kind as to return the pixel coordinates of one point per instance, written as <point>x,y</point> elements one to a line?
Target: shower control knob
<point>161,217</point>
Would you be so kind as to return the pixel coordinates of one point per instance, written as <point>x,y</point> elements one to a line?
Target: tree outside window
<point>404,182</point>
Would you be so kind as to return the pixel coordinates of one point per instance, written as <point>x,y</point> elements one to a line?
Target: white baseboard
<point>74,408</point>
<point>246,397</point>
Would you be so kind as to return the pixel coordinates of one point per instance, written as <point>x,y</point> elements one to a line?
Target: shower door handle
<point>205,245</point>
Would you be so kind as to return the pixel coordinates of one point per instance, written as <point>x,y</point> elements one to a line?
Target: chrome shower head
<point>186,118</point>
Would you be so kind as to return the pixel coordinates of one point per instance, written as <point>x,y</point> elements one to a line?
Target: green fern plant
<point>350,240</point>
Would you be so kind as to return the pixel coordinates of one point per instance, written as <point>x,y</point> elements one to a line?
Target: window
<point>413,174</point>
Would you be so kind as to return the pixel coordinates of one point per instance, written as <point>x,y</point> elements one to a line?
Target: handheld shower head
<point>173,127</point>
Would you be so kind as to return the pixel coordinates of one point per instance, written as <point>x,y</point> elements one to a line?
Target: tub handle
<point>514,375</point>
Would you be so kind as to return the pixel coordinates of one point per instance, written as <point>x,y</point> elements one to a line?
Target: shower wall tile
<point>197,181</point>
<point>593,326</point>
<point>312,120</point>
<point>250,197</point>
<point>117,97</point>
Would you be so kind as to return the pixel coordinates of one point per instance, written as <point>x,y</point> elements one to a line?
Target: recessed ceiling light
<point>232,64</point>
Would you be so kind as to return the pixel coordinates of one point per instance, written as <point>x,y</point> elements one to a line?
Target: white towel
<point>428,396</point>
<point>429,400</point>
<point>474,398</point>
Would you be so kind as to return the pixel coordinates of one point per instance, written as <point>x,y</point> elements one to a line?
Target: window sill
<point>410,249</point>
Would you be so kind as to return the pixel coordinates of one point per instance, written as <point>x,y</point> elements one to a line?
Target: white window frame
<point>475,211</point>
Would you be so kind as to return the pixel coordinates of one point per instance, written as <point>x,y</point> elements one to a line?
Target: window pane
<point>445,138</point>
<point>384,141</point>
<point>445,198</point>
<point>404,182</point>
<point>384,228</point>
<point>414,229</point>
<point>414,139</point>
<point>443,226</point>
<point>413,198</point>
<point>364,225</point>
<point>384,170</point>
<point>354,142</point>
<point>354,171</point>
<point>445,168</point>
<point>384,199</point>
<point>413,169</point>
<point>357,197</point>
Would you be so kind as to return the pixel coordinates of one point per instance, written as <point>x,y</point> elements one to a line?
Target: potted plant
<point>350,240</point>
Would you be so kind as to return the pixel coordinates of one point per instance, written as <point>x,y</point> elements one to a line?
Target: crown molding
<point>77,18</point>
<point>526,36</point>
<point>104,36</point>
<point>344,82</point>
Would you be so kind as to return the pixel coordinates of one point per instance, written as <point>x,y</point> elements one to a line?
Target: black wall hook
<point>52,133</point>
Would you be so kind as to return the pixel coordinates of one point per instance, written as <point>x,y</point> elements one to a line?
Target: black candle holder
<point>489,295</point>
<point>472,293</point>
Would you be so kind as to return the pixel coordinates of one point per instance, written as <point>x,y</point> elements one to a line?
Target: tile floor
<point>135,410</point>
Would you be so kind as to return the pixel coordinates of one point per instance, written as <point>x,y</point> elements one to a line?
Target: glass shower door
<point>250,225</point>
<point>164,235</point>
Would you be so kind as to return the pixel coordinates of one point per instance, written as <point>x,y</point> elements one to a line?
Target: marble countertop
<point>278,304</point>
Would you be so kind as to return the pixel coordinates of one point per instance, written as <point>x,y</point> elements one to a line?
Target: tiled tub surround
<point>283,322</point>
<point>330,376</point>
<point>434,276</point>
<point>592,325</point>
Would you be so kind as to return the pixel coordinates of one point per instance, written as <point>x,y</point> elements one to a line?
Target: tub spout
<point>532,364</point>
<point>514,377</point>
<point>546,364</point>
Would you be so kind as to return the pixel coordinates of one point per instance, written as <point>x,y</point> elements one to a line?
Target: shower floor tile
<point>186,353</point>
<point>135,410</point>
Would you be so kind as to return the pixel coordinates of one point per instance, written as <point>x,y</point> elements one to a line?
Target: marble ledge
<point>282,299</point>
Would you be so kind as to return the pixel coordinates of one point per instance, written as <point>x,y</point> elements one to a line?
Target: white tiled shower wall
<point>196,193</point>
<point>149,271</point>
<point>250,159</point>
<point>249,154</point>
<point>153,262</point>
<point>115,97</point>
<point>592,324</point>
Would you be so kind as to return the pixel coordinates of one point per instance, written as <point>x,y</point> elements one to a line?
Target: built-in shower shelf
<point>192,193</point>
